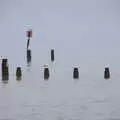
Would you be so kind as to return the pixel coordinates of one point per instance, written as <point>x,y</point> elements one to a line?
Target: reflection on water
<point>19,78</point>
<point>5,78</point>
<point>5,81</point>
<point>28,64</point>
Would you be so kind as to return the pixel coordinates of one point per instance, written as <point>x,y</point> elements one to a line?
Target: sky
<point>83,33</point>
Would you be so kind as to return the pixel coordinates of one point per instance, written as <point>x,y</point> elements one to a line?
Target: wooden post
<point>106,73</point>
<point>75,73</point>
<point>5,70</point>
<point>46,73</point>
<point>28,56</point>
<point>52,55</point>
<point>18,73</point>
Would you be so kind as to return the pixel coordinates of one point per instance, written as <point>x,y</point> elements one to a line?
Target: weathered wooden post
<point>52,55</point>
<point>18,73</point>
<point>46,73</point>
<point>28,56</point>
<point>106,73</point>
<point>5,70</point>
<point>75,73</point>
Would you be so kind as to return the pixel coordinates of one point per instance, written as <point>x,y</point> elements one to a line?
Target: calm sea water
<point>59,98</point>
<point>84,34</point>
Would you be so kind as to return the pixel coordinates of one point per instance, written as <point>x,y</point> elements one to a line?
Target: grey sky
<point>83,32</point>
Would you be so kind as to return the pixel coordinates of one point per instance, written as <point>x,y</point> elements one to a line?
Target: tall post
<point>28,56</point>
<point>52,55</point>
<point>29,35</point>
<point>5,70</point>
